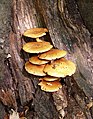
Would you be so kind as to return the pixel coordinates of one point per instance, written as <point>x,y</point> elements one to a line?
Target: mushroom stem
<point>38,40</point>
<point>51,61</point>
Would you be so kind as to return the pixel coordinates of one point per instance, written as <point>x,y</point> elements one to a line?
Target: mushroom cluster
<point>48,62</point>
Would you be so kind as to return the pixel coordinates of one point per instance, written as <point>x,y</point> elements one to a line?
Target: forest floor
<point>5,26</point>
<point>5,20</point>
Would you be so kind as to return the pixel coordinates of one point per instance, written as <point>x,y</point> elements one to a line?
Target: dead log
<point>66,31</point>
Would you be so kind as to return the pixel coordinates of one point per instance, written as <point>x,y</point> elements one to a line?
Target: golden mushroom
<point>50,86</point>
<point>35,69</point>
<point>37,61</point>
<point>37,47</point>
<point>53,54</point>
<point>49,78</point>
<point>35,33</point>
<point>60,68</point>
<point>38,65</point>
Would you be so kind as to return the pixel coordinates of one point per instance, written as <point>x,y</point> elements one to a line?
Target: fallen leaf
<point>14,115</point>
<point>23,118</point>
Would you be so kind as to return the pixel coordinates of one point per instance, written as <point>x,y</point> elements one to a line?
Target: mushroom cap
<point>60,68</point>
<point>49,78</point>
<point>37,47</point>
<point>50,86</point>
<point>37,61</point>
<point>35,32</point>
<point>53,54</point>
<point>34,69</point>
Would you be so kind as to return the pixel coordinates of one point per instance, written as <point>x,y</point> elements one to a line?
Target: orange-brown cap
<point>53,54</point>
<point>35,32</point>
<point>37,47</point>
<point>50,86</point>
<point>60,68</point>
<point>35,69</point>
<point>37,61</point>
<point>49,78</point>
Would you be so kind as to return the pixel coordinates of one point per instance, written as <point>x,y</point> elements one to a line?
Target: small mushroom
<point>60,68</point>
<point>49,78</point>
<point>53,54</point>
<point>50,86</point>
<point>35,69</point>
<point>37,61</point>
<point>35,33</point>
<point>37,47</point>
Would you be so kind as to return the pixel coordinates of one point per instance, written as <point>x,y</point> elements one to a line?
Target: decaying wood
<point>66,31</point>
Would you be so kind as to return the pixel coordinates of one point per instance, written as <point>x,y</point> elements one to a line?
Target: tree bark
<point>66,31</point>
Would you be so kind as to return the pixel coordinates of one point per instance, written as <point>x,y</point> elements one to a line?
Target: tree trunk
<point>67,30</point>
